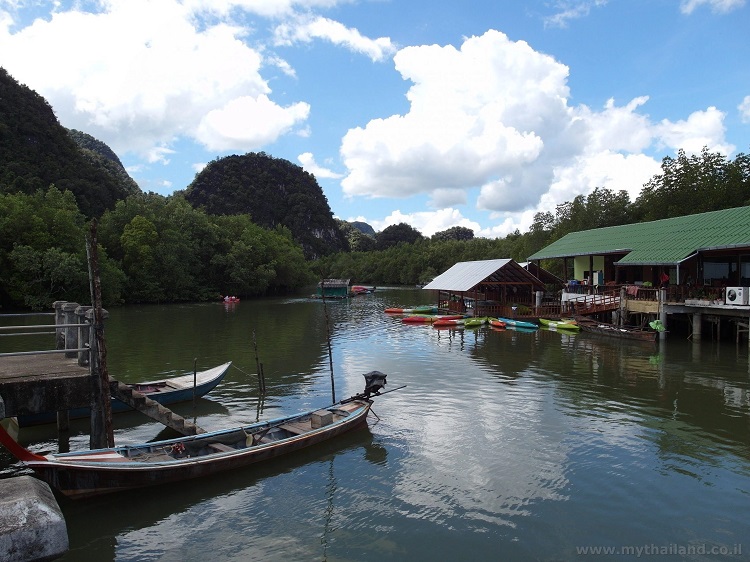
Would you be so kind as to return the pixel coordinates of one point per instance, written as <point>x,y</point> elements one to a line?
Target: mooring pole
<point>101,412</point>
<point>259,368</point>
<point>328,338</point>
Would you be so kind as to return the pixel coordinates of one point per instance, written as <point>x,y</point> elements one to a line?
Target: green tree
<point>454,233</point>
<point>397,234</point>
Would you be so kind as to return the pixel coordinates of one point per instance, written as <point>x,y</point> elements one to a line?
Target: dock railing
<point>71,328</point>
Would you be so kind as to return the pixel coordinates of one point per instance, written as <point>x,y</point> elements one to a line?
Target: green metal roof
<point>666,241</point>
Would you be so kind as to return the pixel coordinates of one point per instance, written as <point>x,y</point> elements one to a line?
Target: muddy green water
<point>505,445</point>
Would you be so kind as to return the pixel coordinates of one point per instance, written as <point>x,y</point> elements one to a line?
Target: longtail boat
<point>623,332</point>
<point>82,474</point>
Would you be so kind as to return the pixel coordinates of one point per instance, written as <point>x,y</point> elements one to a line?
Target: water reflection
<point>505,444</point>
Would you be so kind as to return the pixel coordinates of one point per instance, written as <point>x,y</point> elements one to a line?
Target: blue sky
<point>434,113</point>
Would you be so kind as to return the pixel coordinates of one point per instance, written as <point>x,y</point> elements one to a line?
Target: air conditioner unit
<point>737,295</point>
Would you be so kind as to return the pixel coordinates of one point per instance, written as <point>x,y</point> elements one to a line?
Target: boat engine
<point>374,381</point>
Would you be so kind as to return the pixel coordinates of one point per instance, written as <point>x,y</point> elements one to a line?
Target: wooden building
<point>698,265</point>
<point>488,288</point>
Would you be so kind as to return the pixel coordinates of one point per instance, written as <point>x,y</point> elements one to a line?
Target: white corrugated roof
<point>465,275</point>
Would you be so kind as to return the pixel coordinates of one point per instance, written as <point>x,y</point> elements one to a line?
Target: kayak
<point>475,322</point>
<point>429,318</point>
<point>448,322</point>
<point>560,324</point>
<point>415,310</point>
<point>519,323</point>
<point>497,323</point>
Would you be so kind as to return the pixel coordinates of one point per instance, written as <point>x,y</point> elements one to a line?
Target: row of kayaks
<point>427,315</point>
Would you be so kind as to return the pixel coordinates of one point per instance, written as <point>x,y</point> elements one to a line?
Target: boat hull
<point>92,473</point>
<point>165,392</point>
<point>610,330</point>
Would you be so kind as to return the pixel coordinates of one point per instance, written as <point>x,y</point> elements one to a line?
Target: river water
<point>504,445</point>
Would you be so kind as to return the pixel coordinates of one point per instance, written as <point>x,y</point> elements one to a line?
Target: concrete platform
<point>32,527</point>
<point>41,383</point>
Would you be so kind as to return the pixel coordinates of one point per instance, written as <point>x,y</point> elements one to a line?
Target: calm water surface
<point>505,445</point>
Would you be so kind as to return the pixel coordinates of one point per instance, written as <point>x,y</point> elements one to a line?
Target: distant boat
<point>360,290</point>
<point>164,391</point>
<point>429,318</point>
<point>83,474</point>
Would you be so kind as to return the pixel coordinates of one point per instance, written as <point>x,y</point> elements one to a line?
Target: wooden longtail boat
<point>84,474</point>
<point>624,332</point>
<point>165,391</point>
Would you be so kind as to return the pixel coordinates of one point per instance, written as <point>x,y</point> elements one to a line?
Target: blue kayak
<point>519,323</point>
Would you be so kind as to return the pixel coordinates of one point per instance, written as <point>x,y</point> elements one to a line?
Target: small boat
<point>414,310</point>
<point>360,290</point>
<point>497,323</point>
<point>442,322</point>
<point>165,391</point>
<point>475,322</point>
<point>519,323</point>
<point>429,318</point>
<point>624,332</point>
<point>82,474</point>
<point>560,324</point>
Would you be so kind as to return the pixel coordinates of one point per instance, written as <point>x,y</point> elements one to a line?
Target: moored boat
<point>442,322</point>
<point>164,391</point>
<point>429,318</point>
<point>497,323</point>
<point>83,474</point>
<point>476,322</point>
<point>560,324</point>
<point>413,310</point>
<point>519,323</point>
<point>624,332</point>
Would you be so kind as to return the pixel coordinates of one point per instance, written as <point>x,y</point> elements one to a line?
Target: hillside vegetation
<point>254,224</point>
<point>274,192</point>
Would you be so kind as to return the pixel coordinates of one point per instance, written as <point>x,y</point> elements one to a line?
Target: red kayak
<point>428,318</point>
<point>448,322</point>
<point>495,323</point>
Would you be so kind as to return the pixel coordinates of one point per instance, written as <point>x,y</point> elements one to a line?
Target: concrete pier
<point>32,527</point>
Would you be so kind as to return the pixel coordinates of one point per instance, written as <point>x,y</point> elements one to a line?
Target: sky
<point>439,113</point>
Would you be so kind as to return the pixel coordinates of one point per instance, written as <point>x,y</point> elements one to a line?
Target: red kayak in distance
<point>448,322</point>
<point>429,319</point>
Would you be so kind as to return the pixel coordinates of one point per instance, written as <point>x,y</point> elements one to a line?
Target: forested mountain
<point>36,152</point>
<point>274,192</point>
<point>100,155</point>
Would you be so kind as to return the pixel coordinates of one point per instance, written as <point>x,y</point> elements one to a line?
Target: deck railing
<point>71,327</point>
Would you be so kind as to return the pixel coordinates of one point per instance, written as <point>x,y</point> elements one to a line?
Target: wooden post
<point>102,434</point>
